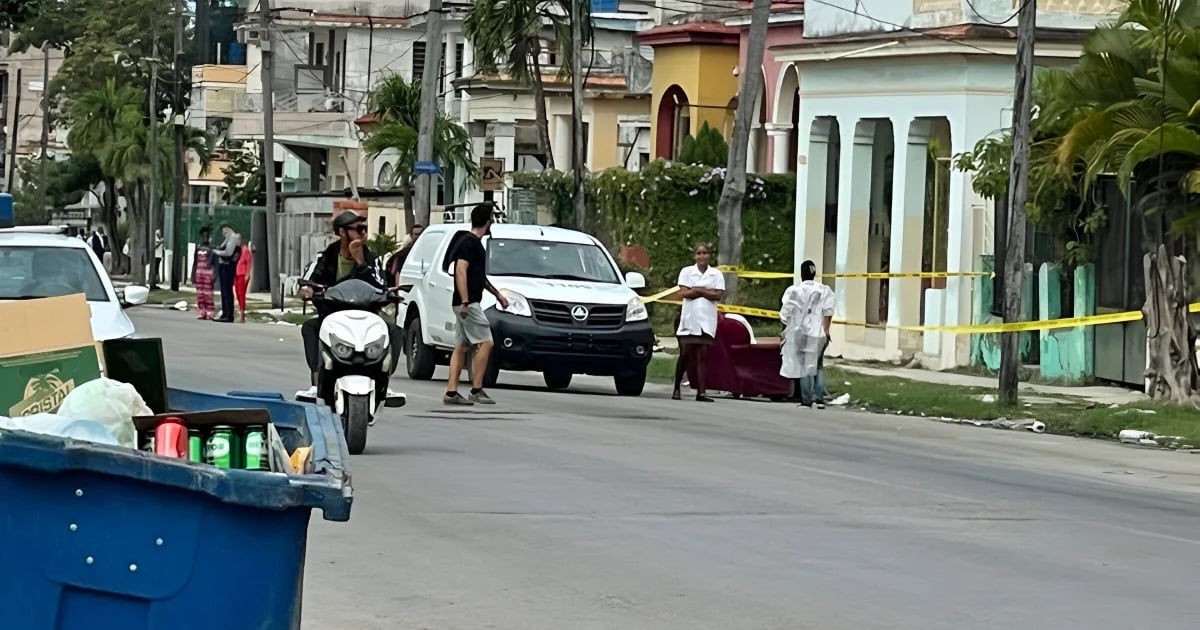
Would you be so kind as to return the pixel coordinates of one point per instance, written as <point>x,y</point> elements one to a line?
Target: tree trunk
<point>1171,370</point>
<point>115,243</point>
<point>539,110</point>
<point>410,214</point>
<point>137,232</point>
<point>733,194</point>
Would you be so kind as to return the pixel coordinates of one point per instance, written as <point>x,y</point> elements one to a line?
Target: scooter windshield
<point>355,293</point>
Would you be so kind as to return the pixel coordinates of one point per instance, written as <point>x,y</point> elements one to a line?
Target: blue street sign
<point>6,210</point>
<point>427,168</point>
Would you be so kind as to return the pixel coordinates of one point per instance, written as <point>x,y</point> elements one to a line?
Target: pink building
<point>773,136</point>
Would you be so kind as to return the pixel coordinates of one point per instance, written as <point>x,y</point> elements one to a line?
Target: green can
<point>195,445</point>
<point>219,449</point>
<point>255,452</point>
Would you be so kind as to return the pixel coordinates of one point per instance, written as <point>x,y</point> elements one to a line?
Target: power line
<point>1003,22</point>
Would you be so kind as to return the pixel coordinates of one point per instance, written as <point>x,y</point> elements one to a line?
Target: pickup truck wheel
<point>631,383</point>
<point>557,379</point>
<point>419,357</point>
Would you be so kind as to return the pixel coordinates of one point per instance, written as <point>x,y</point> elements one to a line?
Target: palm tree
<point>1134,98</point>
<point>99,117</point>
<point>396,104</point>
<point>507,35</point>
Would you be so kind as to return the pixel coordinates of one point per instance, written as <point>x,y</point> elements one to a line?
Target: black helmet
<point>346,219</point>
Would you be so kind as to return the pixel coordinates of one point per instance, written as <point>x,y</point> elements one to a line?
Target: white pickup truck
<point>569,310</point>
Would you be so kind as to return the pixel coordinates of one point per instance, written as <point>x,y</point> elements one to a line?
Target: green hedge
<point>668,208</point>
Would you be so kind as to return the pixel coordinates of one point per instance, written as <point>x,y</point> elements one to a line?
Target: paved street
<point>582,510</point>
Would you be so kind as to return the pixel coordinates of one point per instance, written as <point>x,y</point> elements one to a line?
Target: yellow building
<point>694,81</point>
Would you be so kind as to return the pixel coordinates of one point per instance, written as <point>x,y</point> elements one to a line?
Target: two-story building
<point>21,92</point>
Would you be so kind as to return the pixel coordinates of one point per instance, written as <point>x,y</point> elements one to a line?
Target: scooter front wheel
<point>356,415</point>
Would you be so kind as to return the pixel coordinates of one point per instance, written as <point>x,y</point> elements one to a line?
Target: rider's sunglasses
<point>361,229</point>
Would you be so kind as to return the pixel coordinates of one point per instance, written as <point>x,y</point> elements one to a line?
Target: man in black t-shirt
<point>472,328</point>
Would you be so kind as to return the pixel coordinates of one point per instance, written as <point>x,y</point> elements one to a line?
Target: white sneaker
<point>307,394</point>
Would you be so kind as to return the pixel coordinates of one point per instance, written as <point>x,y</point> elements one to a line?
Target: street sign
<point>427,168</point>
<point>493,174</point>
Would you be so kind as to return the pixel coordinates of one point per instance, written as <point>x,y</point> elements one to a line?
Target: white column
<point>780,146</point>
<point>908,219</point>
<point>752,149</point>
<point>478,132</point>
<point>959,253</point>
<point>451,62</point>
<point>812,165</point>
<point>469,71</point>
<point>560,142</point>
<point>854,218</point>
<point>504,144</point>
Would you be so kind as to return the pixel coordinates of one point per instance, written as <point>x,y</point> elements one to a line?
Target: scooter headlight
<point>340,349</point>
<point>376,348</point>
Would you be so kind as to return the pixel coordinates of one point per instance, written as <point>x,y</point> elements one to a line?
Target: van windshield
<point>40,272</point>
<point>550,259</point>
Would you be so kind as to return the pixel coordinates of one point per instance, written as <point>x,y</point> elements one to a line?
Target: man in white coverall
<point>807,313</point>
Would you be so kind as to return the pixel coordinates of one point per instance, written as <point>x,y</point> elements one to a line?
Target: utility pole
<point>429,104</point>
<point>268,154</point>
<point>45,120</point>
<point>12,164</point>
<point>578,159</point>
<point>1018,194</point>
<point>733,193</point>
<point>181,173</point>
<point>152,280</point>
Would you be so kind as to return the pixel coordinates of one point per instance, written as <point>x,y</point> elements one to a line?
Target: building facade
<point>881,94</point>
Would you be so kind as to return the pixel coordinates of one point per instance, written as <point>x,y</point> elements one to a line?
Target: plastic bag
<point>58,426</point>
<point>111,403</point>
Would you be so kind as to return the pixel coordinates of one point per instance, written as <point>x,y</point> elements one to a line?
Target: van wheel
<point>631,383</point>
<point>556,379</point>
<point>419,357</point>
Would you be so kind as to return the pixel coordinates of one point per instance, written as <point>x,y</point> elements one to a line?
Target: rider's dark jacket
<point>325,271</point>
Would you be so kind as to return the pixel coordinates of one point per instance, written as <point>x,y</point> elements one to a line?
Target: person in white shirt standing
<point>701,288</point>
<point>807,314</point>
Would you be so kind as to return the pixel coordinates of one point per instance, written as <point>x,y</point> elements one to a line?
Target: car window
<point>550,259</point>
<point>37,272</point>
<point>421,256</point>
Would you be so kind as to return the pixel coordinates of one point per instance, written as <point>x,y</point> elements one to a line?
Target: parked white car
<point>39,263</point>
<point>569,310</point>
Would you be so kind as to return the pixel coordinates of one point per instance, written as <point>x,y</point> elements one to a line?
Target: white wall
<point>840,17</point>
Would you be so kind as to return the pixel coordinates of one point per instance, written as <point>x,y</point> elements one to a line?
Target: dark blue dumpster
<point>97,537</point>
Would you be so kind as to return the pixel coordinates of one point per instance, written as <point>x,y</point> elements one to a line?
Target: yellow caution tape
<point>776,275</point>
<point>974,329</point>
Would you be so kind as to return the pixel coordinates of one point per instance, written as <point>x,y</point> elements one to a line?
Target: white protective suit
<point>805,307</point>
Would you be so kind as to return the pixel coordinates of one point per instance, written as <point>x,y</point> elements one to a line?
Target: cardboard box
<point>46,350</point>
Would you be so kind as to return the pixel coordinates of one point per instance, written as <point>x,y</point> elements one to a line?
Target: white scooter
<point>356,356</point>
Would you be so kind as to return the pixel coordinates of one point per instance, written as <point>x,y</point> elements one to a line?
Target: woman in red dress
<point>241,281</point>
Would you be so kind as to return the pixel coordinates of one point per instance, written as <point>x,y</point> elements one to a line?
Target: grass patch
<point>167,296</point>
<point>661,369</point>
<point>889,394</point>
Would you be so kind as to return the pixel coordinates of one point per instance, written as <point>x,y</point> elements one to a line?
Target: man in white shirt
<point>807,314</point>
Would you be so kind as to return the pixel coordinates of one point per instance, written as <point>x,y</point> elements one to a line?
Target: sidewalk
<point>1099,394</point>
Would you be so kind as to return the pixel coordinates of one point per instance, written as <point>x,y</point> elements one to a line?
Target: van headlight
<point>636,310</point>
<point>517,304</point>
<point>376,348</point>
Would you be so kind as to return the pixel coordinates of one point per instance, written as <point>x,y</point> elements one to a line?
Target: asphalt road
<point>583,510</point>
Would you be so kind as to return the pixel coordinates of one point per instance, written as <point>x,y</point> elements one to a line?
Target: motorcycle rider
<point>346,258</point>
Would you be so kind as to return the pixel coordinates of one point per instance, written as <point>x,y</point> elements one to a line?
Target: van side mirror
<point>133,295</point>
<point>635,280</point>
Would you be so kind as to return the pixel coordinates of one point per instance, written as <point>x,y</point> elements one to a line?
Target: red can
<point>171,438</point>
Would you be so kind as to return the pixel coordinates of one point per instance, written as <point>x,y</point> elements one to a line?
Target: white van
<point>569,310</point>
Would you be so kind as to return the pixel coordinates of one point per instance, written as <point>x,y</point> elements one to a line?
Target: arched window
<point>385,176</point>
